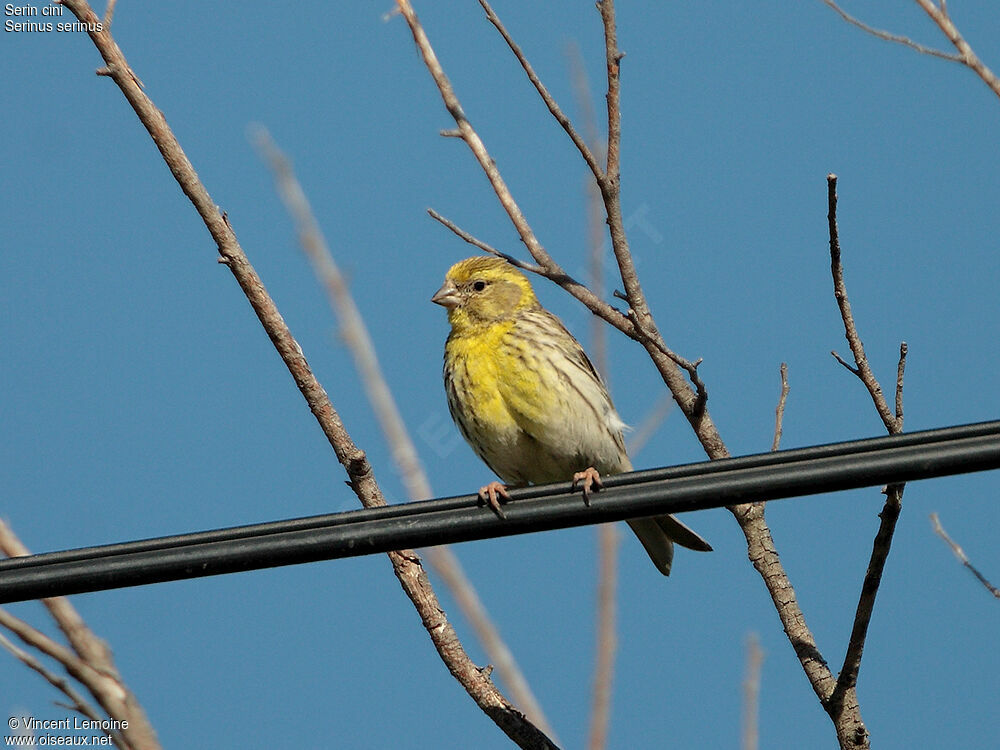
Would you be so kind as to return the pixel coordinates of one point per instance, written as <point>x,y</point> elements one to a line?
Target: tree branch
<point>760,544</point>
<point>939,14</point>
<point>406,564</point>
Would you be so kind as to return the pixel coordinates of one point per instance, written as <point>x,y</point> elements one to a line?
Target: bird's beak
<point>447,296</point>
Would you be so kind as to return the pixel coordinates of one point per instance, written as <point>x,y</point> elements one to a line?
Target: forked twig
<point>889,36</point>
<point>862,369</point>
<point>844,693</point>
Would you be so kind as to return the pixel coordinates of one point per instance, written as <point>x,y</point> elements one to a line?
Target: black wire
<point>769,476</point>
<point>700,468</point>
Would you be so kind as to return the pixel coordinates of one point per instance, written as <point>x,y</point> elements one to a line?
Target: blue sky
<point>141,396</point>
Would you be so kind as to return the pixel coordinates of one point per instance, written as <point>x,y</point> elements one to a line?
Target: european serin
<point>527,399</point>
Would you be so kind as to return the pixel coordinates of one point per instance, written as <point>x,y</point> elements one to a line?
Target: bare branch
<point>106,691</point>
<point>91,664</point>
<point>848,678</point>
<point>639,325</point>
<point>850,367</point>
<point>962,558</point>
<point>613,58</point>
<point>501,657</point>
<point>939,14</point>
<point>779,411</point>
<point>751,693</point>
<point>764,556</point>
<point>890,37</point>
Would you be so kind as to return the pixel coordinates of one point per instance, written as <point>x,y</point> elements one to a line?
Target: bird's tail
<point>658,534</point>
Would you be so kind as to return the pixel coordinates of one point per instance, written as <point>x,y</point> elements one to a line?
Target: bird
<point>527,399</point>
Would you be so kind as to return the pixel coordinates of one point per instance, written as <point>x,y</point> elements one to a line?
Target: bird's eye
<point>478,286</point>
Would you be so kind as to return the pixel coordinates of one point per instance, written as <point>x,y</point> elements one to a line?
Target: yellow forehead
<point>483,266</point>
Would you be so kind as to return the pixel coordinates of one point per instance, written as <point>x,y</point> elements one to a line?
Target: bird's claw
<point>491,494</point>
<point>590,478</point>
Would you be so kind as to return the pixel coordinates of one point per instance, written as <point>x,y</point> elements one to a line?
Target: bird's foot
<point>491,494</point>
<point>590,478</point>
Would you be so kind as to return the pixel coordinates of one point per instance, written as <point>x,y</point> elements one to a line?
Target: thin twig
<point>751,693</point>
<point>404,452</point>
<point>109,13</point>
<point>475,241</point>
<point>607,534</point>
<point>962,558</point>
<point>585,102</point>
<point>900,369</point>
<point>550,102</point>
<point>862,369</point>
<point>607,640</point>
<point>890,37</point>
<point>406,563</point>
<point>779,411</point>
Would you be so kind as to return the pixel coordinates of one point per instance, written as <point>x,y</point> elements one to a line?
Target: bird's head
<point>482,291</point>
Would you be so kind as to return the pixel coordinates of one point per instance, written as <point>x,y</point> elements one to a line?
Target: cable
<point>769,476</point>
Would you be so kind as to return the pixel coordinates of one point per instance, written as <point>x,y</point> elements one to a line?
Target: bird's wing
<point>556,396</point>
